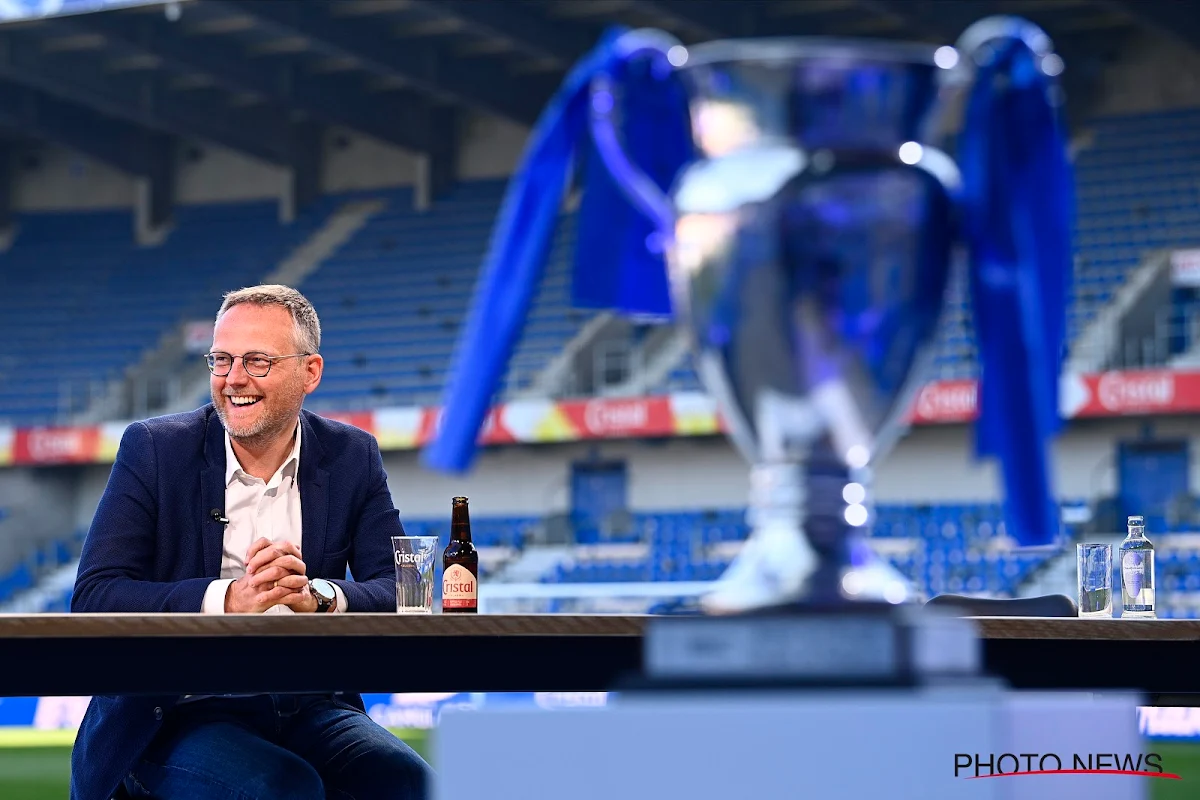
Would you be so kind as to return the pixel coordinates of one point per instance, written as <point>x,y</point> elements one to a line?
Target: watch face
<point>323,589</point>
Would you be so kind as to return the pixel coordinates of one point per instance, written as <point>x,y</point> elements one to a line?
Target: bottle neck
<point>460,524</point>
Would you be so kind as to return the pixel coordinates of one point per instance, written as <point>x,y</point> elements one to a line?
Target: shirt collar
<point>290,466</point>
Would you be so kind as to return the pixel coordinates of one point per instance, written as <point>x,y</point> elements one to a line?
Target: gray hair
<point>308,327</point>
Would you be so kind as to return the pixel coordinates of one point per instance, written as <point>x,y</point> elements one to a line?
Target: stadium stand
<point>1178,575</point>
<point>682,377</point>
<point>393,298</point>
<point>957,548</point>
<point>66,338</point>
<point>41,578</point>
<point>391,345</point>
<point>386,346</point>
<point>1136,193</point>
<point>942,548</point>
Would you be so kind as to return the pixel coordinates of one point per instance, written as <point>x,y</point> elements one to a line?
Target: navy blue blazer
<point>153,547</point>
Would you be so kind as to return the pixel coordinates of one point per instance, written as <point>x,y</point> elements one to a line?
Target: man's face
<point>265,407</point>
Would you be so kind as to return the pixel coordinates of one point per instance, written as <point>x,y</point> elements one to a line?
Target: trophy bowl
<point>809,246</point>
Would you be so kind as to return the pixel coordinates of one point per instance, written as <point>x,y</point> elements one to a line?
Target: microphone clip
<point>217,516</point>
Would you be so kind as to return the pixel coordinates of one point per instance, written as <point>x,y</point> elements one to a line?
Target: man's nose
<point>237,372</point>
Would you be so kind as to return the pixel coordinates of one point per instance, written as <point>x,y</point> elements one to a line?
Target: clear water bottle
<point>1137,572</point>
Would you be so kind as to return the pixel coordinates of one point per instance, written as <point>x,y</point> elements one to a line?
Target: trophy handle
<point>636,184</point>
<point>989,29</point>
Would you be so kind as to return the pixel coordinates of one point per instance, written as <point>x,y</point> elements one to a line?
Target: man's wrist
<point>340,605</point>
<point>324,595</point>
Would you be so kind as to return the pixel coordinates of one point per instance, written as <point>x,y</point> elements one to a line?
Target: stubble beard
<point>277,418</point>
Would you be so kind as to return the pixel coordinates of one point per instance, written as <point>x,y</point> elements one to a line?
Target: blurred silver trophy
<point>809,247</point>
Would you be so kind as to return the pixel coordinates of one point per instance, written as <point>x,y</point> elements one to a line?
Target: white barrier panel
<point>21,10</point>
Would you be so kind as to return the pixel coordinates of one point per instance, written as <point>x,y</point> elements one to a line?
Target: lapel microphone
<point>218,516</point>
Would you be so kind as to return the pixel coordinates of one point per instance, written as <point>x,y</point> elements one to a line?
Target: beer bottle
<point>460,564</point>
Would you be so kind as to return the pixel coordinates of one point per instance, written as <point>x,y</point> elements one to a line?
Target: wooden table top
<point>1112,630</point>
<point>164,654</point>
<point>336,625</point>
<point>509,625</point>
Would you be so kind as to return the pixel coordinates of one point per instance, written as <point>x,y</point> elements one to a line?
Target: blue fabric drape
<point>613,267</point>
<point>1018,201</point>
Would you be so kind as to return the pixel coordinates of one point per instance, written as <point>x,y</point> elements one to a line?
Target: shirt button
<point>158,712</point>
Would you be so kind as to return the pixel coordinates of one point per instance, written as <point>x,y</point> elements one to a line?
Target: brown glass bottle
<point>460,564</point>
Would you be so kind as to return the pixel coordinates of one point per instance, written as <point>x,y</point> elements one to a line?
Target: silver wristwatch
<point>322,591</point>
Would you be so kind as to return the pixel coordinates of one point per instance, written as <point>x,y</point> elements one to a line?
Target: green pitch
<point>1183,759</point>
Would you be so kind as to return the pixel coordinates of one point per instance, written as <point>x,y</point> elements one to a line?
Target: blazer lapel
<point>212,496</point>
<point>314,498</point>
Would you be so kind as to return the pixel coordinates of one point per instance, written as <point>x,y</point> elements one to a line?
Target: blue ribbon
<point>1018,201</point>
<point>618,262</point>
<point>613,267</point>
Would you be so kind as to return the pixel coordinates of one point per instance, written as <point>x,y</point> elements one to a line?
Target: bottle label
<point>1133,572</point>
<point>459,588</point>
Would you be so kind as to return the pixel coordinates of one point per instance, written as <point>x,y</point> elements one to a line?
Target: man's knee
<point>387,769</point>
<point>287,776</point>
<point>280,776</point>
<point>407,770</point>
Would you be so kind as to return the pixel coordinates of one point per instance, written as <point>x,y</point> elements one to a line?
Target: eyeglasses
<point>257,365</point>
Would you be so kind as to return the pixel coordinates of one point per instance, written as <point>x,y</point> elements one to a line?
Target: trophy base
<point>777,565</point>
<point>773,566</point>
<point>812,644</point>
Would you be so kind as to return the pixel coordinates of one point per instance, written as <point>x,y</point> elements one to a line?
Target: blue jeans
<point>277,747</point>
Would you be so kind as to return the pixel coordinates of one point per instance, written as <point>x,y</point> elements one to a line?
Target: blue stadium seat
<point>393,298</point>
<point>957,548</point>
<point>83,302</point>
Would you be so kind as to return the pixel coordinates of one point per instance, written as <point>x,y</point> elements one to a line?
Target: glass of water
<point>415,560</point>
<point>1095,580</point>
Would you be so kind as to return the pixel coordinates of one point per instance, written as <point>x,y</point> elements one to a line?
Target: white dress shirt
<point>258,509</point>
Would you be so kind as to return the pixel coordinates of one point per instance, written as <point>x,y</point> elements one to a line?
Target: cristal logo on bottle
<point>458,587</point>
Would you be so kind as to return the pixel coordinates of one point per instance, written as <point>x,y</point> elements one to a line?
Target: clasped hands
<point>275,575</point>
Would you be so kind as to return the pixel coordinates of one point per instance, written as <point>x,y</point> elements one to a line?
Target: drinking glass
<point>415,560</point>
<point>1095,580</point>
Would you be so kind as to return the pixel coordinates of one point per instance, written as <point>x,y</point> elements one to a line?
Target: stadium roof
<point>264,77</point>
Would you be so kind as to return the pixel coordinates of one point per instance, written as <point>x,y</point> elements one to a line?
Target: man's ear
<point>314,368</point>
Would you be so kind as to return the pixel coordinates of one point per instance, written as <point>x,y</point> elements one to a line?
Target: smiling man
<point>258,405</point>
<point>247,505</point>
